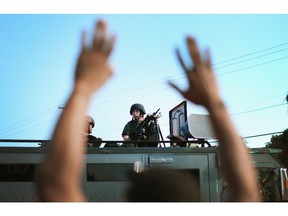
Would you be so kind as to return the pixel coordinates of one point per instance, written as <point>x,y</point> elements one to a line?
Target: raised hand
<point>203,89</point>
<point>65,155</point>
<point>92,69</point>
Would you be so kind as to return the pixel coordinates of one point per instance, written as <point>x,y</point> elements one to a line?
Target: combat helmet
<point>138,106</point>
<point>90,120</point>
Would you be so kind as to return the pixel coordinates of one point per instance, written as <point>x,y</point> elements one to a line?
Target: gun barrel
<point>156,112</point>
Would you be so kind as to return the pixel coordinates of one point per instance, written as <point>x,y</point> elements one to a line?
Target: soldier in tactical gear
<point>138,129</point>
<point>88,130</point>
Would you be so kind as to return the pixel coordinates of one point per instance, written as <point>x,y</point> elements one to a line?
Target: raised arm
<point>234,155</point>
<point>60,173</point>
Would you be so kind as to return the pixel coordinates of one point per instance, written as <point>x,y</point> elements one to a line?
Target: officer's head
<point>90,123</point>
<point>138,106</point>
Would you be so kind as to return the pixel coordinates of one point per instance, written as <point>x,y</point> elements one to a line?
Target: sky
<point>38,54</point>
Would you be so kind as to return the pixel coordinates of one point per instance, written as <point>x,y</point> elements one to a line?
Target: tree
<point>280,142</point>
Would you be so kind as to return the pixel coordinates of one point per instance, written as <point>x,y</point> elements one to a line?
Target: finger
<point>194,52</point>
<point>109,45</point>
<point>176,88</point>
<point>181,61</point>
<point>84,44</point>
<point>99,35</point>
<point>207,59</point>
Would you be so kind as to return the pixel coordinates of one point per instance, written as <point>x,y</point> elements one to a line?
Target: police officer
<point>88,130</point>
<point>136,129</point>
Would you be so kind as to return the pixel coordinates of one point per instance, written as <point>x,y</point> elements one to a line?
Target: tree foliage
<point>280,142</point>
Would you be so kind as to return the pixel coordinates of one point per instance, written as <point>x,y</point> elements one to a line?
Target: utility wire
<point>246,60</point>
<point>172,77</point>
<point>161,81</point>
<point>259,135</point>
<point>261,99</point>
<point>253,136</point>
<point>252,53</point>
<point>27,121</point>
<point>27,128</point>
<point>263,108</point>
<point>257,65</point>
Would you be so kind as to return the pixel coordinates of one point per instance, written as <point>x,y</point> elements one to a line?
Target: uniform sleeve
<point>125,130</point>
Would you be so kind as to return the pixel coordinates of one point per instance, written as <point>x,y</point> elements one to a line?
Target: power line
<point>252,53</point>
<point>27,121</point>
<point>260,135</point>
<point>249,67</point>
<point>173,77</point>
<point>161,81</point>
<point>246,60</point>
<point>263,108</point>
<point>261,99</point>
<point>27,128</point>
<point>254,136</point>
<point>152,83</point>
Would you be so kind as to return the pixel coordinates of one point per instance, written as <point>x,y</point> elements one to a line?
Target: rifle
<point>142,127</point>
